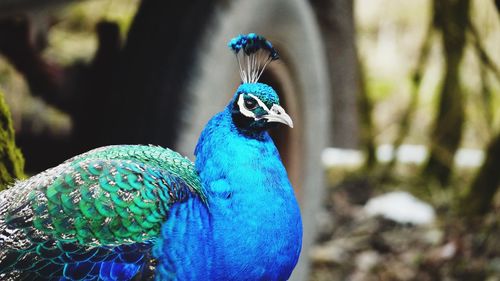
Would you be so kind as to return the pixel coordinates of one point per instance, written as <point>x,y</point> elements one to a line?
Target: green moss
<point>11,159</point>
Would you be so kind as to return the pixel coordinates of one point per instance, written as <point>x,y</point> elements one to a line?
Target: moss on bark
<point>11,158</point>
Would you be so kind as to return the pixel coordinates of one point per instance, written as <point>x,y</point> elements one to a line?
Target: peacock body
<point>128,212</point>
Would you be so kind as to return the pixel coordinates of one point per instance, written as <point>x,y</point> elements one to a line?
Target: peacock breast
<point>257,233</point>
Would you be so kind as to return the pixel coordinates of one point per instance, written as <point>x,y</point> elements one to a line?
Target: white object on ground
<point>406,154</point>
<point>401,207</point>
<point>333,156</point>
<point>467,157</point>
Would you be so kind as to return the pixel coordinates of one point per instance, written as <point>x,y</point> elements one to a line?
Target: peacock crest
<point>253,53</point>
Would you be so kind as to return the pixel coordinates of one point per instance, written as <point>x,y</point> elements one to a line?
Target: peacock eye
<point>250,103</point>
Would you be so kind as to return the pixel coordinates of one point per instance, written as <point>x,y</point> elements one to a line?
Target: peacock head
<point>255,106</point>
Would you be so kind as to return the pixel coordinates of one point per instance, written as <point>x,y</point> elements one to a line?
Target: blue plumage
<point>251,227</point>
<point>125,212</point>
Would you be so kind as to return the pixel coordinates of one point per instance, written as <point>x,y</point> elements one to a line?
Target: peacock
<point>143,212</point>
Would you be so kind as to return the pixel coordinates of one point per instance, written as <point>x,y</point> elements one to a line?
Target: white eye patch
<point>248,113</point>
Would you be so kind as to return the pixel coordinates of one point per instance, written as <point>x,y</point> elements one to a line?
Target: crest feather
<point>253,53</point>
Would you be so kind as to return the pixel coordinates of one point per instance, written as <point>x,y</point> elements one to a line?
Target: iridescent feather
<point>106,205</point>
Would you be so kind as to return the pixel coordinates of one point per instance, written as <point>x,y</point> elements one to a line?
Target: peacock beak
<point>278,114</point>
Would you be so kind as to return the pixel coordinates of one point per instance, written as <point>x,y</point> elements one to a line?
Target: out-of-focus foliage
<point>356,246</point>
<point>389,36</point>
<point>11,159</point>
<point>71,39</point>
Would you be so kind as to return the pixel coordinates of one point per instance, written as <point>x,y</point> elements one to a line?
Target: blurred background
<point>395,155</point>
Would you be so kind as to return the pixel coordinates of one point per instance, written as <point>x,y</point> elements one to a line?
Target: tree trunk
<point>11,159</point>
<point>365,107</point>
<point>451,18</point>
<point>404,125</point>
<point>337,23</point>
<point>482,190</point>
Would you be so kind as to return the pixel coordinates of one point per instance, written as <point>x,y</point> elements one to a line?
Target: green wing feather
<point>109,196</point>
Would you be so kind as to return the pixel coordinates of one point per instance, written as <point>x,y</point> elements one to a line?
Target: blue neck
<point>226,152</point>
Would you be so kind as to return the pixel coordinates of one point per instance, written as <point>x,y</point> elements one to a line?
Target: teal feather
<point>105,197</point>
